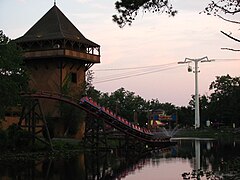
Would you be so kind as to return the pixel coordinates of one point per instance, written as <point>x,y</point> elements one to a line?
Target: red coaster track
<point>92,107</point>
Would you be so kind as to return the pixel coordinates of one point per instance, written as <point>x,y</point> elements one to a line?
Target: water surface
<point>219,159</point>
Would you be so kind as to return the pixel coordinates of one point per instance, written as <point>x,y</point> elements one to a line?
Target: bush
<point>18,138</point>
<point>3,140</point>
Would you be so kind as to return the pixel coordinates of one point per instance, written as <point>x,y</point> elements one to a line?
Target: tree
<point>125,103</point>
<point>13,76</point>
<point>203,107</point>
<point>204,104</point>
<point>224,104</point>
<point>155,104</point>
<point>128,9</point>
<point>185,116</point>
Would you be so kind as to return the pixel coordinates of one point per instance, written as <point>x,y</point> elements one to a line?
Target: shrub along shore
<point>223,133</point>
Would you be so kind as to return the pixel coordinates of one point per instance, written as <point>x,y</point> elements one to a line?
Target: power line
<point>131,68</point>
<point>147,70</point>
<point>127,73</point>
<point>224,59</point>
<point>157,65</point>
<point>138,70</point>
<point>134,75</point>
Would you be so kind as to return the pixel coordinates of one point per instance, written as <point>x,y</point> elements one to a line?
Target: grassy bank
<point>216,133</point>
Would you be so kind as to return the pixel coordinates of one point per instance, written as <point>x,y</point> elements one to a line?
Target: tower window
<point>73,77</point>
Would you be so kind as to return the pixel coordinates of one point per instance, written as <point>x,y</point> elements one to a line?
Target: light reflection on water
<point>166,169</point>
<point>167,164</point>
<point>173,167</point>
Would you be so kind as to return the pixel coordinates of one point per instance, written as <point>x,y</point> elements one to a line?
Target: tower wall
<point>57,55</point>
<point>44,76</point>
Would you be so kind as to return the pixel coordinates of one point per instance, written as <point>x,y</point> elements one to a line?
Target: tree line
<point>221,107</point>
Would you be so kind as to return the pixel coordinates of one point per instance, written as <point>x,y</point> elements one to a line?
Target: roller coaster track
<point>92,107</point>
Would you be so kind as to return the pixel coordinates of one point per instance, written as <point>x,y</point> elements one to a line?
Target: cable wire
<point>135,75</point>
<point>128,73</point>
<point>225,59</point>
<point>138,67</point>
<point>146,69</point>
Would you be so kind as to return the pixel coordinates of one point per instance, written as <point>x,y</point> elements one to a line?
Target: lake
<point>210,158</point>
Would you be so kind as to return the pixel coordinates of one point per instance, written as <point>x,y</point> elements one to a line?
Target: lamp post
<point>196,71</point>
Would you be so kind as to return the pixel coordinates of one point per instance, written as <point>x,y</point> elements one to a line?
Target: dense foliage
<point>223,6</point>
<point>224,102</point>
<point>222,106</point>
<point>126,104</point>
<point>128,9</point>
<point>14,138</point>
<point>71,117</point>
<point>13,76</point>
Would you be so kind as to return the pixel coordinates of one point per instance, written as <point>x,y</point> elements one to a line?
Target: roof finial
<point>54,2</point>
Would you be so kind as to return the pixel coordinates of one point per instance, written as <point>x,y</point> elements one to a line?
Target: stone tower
<point>57,55</point>
<point>55,50</point>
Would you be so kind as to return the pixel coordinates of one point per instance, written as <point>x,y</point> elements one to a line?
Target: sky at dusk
<point>141,58</point>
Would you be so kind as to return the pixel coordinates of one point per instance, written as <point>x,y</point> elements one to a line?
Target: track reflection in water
<point>169,163</point>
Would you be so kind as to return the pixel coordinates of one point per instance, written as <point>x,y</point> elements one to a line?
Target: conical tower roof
<point>55,25</point>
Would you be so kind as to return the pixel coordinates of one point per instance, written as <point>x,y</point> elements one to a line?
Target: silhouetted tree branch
<point>233,38</point>
<point>227,7</point>
<point>128,9</point>
<point>223,6</point>
<point>228,35</point>
<point>231,21</point>
<point>230,49</point>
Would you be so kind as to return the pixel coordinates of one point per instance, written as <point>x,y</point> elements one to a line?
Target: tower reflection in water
<point>88,165</point>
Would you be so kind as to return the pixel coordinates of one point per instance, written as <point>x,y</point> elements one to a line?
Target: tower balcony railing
<point>62,52</point>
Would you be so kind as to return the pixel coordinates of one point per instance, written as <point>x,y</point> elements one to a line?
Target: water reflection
<point>197,154</point>
<point>218,159</point>
<point>212,159</point>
